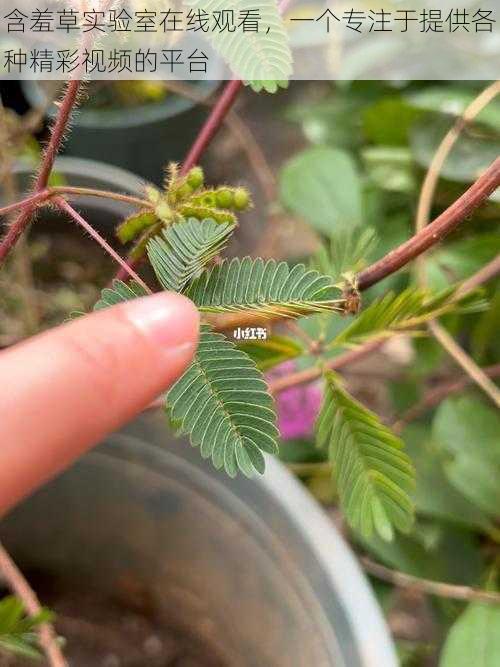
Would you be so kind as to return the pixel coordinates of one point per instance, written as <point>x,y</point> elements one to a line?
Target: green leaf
<point>322,186</point>
<point>267,289</point>
<point>388,121</point>
<point>468,431</point>
<point>17,631</point>
<point>407,311</point>
<point>347,252</point>
<point>373,475</point>
<point>265,56</point>
<point>390,168</point>
<point>434,496</point>
<point>271,352</point>
<point>474,639</point>
<point>453,101</point>
<point>119,293</point>
<point>222,403</point>
<point>185,249</point>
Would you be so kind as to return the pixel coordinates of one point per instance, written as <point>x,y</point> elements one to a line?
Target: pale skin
<point>63,391</point>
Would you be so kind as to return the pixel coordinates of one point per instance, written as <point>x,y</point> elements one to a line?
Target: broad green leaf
<point>390,168</point>
<point>374,476</point>
<point>453,101</point>
<point>404,312</point>
<point>322,186</point>
<point>263,58</point>
<point>271,352</point>
<point>222,403</point>
<point>119,293</point>
<point>183,250</point>
<point>470,156</point>
<point>388,121</point>
<point>474,639</point>
<point>434,495</point>
<point>267,289</point>
<point>469,431</point>
<point>433,550</point>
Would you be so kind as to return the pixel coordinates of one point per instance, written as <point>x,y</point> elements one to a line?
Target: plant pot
<point>253,567</point>
<point>143,139</point>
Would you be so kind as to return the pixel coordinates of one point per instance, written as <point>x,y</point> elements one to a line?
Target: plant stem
<point>21,588</point>
<point>212,124</point>
<point>31,201</point>
<point>314,373</point>
<point>438,394</point>
<point>427,586</point>
<point>484,275</point>
<point>435,231</point>
<point>56,138</point>
<point>476,373</point>
<point>63,205</point>
<point>104,194</point>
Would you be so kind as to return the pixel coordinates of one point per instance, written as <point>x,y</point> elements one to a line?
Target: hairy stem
<point>435,231</point>
<point>30,201</point>
<point>103,194</point>
<point>56,138</point>
<point>64,206</point>
<point>20,587</point>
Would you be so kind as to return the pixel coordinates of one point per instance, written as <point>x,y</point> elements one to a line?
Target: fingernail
<point>166,319</point>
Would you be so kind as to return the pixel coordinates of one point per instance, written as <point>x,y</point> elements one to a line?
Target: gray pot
<point>255,564</point>
<point>143,139</point>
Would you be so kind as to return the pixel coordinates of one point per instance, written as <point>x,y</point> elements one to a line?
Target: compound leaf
<point>119,293</point>
<point>222,403</point>
<point>266,289</point>
<point>263,58</point>
<point>404,312</point>
<point>373,475</point>
<point>185,248</point>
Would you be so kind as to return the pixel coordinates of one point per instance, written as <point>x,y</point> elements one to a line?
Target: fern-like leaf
<point>222,403</point>
<point>373,475</point>
<point>404,312</point>
<point>262,58</point>
<point>119,293</point>
<point>185,249</point>
<point>347,252</point>
<point>18,634</point>
<point>266,289</point>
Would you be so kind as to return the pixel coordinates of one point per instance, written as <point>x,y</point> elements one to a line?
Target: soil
<point>104,632</point>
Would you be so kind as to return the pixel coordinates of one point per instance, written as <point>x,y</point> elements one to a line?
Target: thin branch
<point>104,194</point>
<point>314,373</point>
<point>20,587</point>
<point>56,138</point>
<point>63,204</point>
<point>437,395</point>
<point>474,371</point>
<point>212,124</point>
<point>30,201</point>
<point>431,180</point>
<point>484,275</point>
<point>433,233</point>
<point>427,586</point>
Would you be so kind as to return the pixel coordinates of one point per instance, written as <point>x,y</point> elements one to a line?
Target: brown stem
<point>56,138</point>
<point>435,231</point>
<point>427,586</point>
<point>104,194</point>
<point>484,275</point>
<point>438,394</point>
<point>24,592</point>
<point>63,205</point>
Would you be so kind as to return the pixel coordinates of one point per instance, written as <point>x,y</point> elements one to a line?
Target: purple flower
<point>297,407</point>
